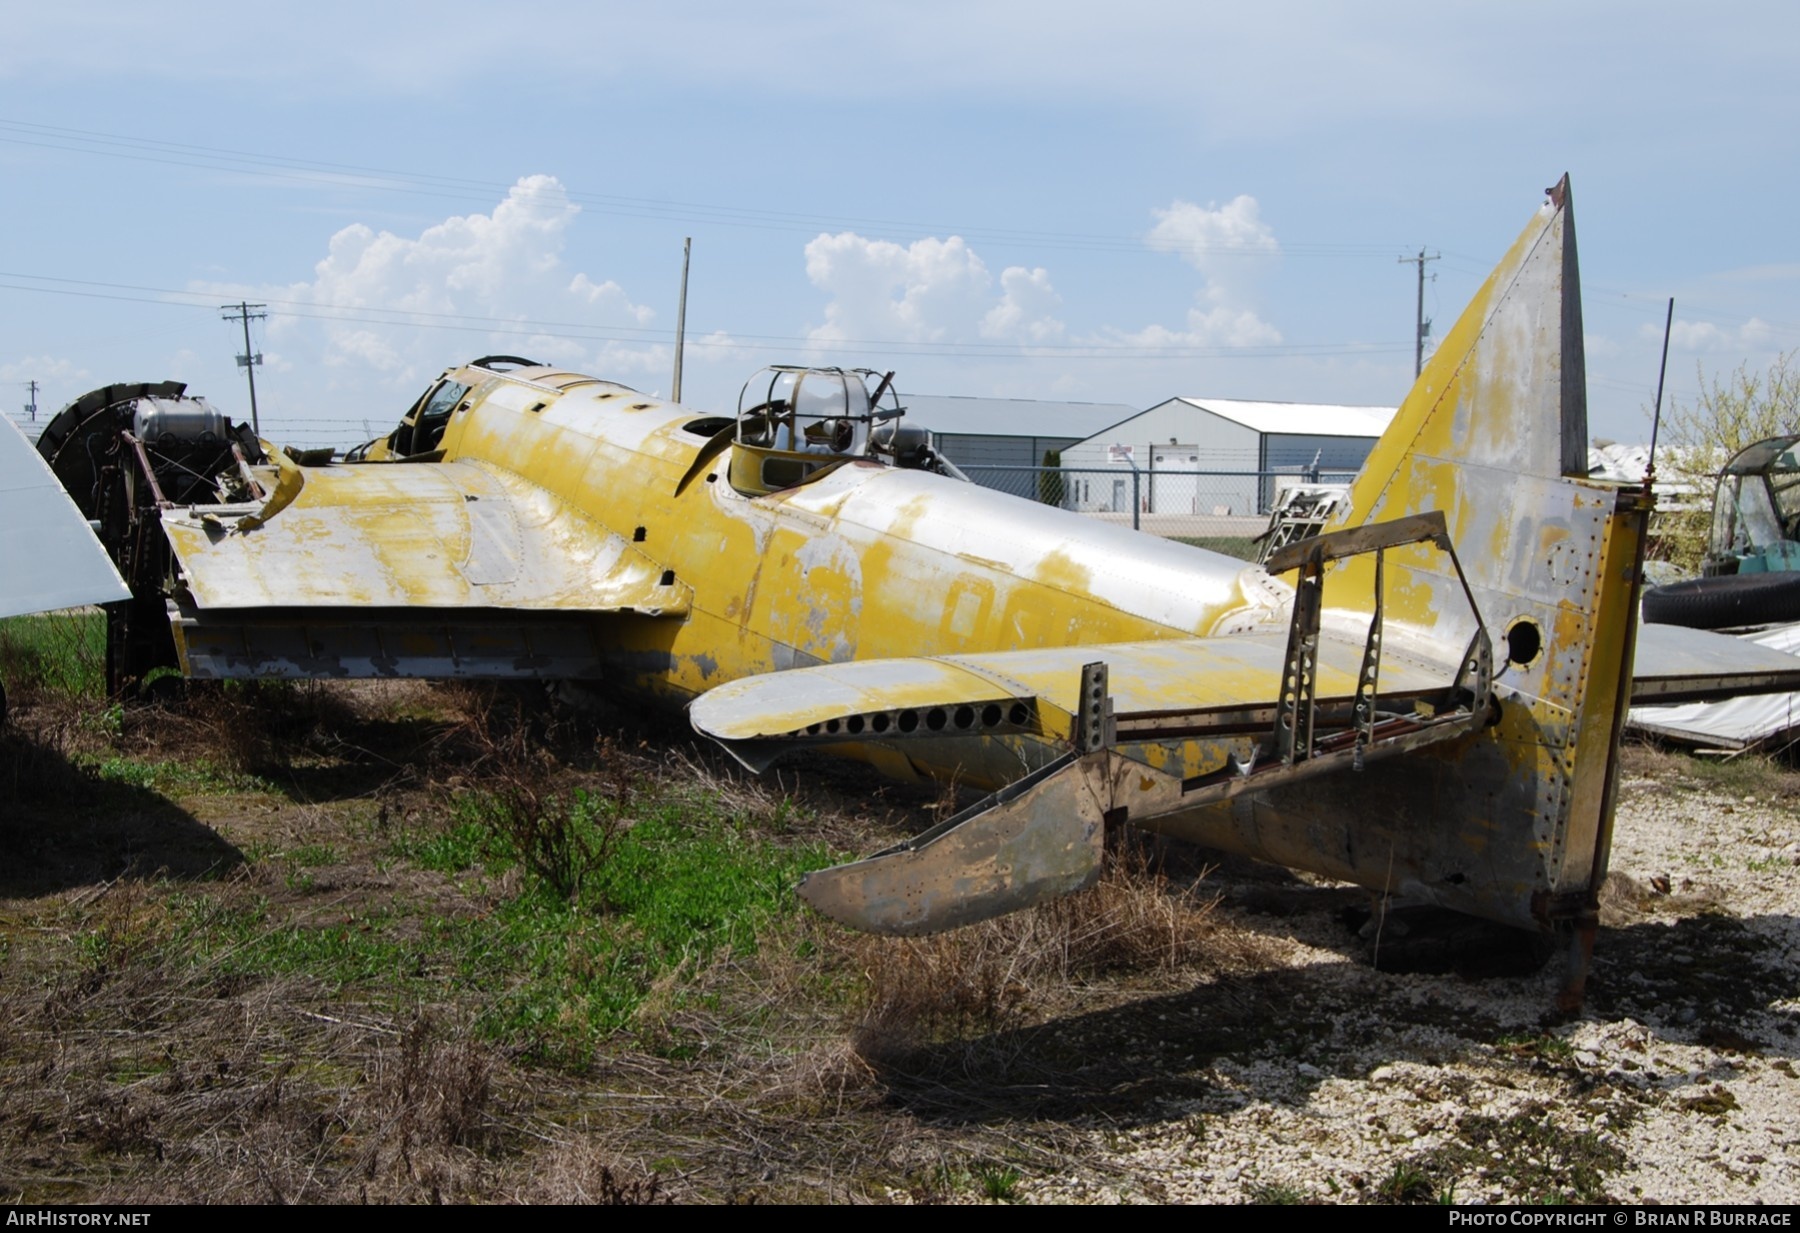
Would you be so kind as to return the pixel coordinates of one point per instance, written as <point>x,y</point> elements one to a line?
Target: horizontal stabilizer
<point>973,695</point>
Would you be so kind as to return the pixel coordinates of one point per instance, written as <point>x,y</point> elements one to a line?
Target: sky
<point>1121,203</point>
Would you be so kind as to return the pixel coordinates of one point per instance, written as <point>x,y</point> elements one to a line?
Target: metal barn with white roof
<point>1205,455</point>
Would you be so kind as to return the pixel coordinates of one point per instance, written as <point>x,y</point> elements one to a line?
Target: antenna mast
<point>687,246</point>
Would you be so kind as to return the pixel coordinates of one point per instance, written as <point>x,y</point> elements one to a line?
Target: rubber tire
<point>1724,603</point>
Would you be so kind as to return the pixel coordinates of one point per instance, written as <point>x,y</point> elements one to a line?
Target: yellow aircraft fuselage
<point>868,561</point>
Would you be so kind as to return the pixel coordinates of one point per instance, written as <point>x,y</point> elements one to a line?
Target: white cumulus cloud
<point>400,308</point>
<point>43,369</point>
<point>1209,236</point>
<point>1232,248</point>
<point>1023,313</point>
<point>1205,327</point>
<point>931,290</point>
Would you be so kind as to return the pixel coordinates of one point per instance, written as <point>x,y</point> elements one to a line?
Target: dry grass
<point>583,1172</point>
<point>1138,921</point>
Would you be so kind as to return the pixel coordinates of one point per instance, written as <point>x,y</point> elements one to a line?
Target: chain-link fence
<point>1186,505</point>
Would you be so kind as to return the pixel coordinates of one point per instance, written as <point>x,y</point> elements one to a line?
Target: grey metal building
<point>1007,432</point>
<point>1180,448</point>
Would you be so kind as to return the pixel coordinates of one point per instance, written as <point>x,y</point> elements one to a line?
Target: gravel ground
<point>1676,1084</point>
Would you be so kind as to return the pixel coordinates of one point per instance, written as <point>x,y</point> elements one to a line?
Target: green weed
<point>602,916</point>
<point>1406,1183</point>
<point>1544,1045</point>
<point>999,1183</point>
<point>565,974</point>
<point>1537,1158</point>
<point>467,844</point>
<point>190,775</point>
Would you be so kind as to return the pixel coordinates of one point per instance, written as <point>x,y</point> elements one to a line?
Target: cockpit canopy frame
<point>796,422</point>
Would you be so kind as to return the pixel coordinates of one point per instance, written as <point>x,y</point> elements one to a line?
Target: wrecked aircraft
<point>1430,707</point>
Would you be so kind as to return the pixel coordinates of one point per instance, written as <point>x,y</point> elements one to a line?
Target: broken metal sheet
<point>1748,665</point>
<point>49,557</point>
<point>449,535</point>
<point>1675,664</point>
<point>1040,838</point>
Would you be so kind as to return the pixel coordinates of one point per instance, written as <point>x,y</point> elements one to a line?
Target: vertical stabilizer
<point>1506,391</point>
<point>1512,823</point>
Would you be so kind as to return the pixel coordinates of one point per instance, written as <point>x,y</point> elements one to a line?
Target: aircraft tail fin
<point>1506,390</point>
<point>1494,437</point>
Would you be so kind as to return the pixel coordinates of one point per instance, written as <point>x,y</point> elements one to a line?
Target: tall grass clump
<point>54,654</point>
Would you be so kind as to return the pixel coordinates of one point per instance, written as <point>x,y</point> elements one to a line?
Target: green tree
<point>1699,437</point>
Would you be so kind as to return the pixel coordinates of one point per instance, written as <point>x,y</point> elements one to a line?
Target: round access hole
<point>1524,642</point>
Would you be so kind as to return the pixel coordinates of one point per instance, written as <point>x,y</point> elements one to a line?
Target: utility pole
<point>1421,327</point>
<point>31,407</point>
<point>250,359</point>
<point>687,246</point>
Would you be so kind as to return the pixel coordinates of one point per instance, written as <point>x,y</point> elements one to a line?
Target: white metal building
<point>1221,456</point>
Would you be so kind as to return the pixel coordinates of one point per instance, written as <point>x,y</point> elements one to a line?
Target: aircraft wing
<point>1225,686</point>
<point>408,535</point>
<point>48,557</point>
<point>430,569</point>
